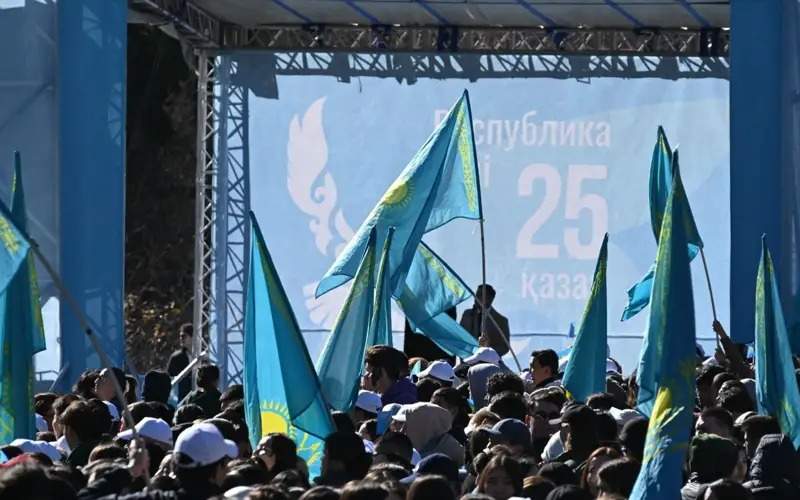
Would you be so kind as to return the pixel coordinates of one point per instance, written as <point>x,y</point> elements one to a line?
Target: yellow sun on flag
<point>399,193</point>
<point>275,418</point>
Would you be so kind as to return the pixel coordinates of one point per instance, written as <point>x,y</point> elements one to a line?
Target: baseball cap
<point>578,415</point>
<point>511,431</point>
<point>440,370</point>
<point>483,355</point>
<point>202,444</point>
<point>31,446</point>
<point>400,415</point>
<point>369,401</point>
<point>151,428</point>
<point>437,464</point>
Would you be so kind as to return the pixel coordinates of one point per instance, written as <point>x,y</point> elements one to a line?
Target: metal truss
<point>711,42</point>
<point>191,23</point>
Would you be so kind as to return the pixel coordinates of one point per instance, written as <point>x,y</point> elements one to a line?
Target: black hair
<point>188,413</point>
<point>426,387</point>
<point>283,448</point>
<point>365,491</point>
<point>504,381</point>
<point>342,422</point>
<point>431,488</point>
<point>247,474</point>
<point>568,492</point>
<point>348,449</point>
<point>633,435</point>
<point>84,387</point>
<point>602,401</point>
<point>89,420</point>
<point>618,476</point>
<point>707,374</point>
<point>720,414</point>
<point>559,473</point>
<point>268,492</point>
<point>392,361</point>
<point>139,410</point>
<point>232,394</point>
<point>606,428</point>
<point>34,481</point>
<point>450,396</point>
<point>290,478</point>
<point>43,403</point>
<point>546,357</point>
<point>208,376</point>
<point>320,493</point>
<point>162,410</point>
<point>107,451</point>
<point>724,489</point>
<point>187,329</point>
<point>509,404</point>
<point>735,400</point>
<point>157,386</point>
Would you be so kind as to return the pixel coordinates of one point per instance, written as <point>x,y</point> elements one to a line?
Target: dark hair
<point>84,387</point>
<point>371,428</point>
<point>536,487</point>
<point>396,447</point>
<point>33,481</point>
<point>392,361</point>
<point>426,387</point>
<point>364,491</point>
<point>618,476</point>
<point>62,402</point>
<point>248,474</point>
<point>162,410</point>
<point>48,436</point>
<point>107,451</point>
<point>290,478</point>
<point>131,383</point>
<point>187,329</point>
<point>43,403</point>
<point>721,378</point>
<point>559,473</point>
<point>606,428</point>
<point>188,413</point>
<point>230,395</point>
<point>568,492</point>
<point>208,376</point>
<point>88,419</point>
<point>502,382</point>
<point>320,493</point>
<point>722,415</point>
<point>194,475</point>
<point>602,401</point>
<point>707,374</point>
<point>724,489</point>
<point>431,488</point>
<point>450,396</point>
<point>268,492</point>
<point>509,465</point>
<point>157,386</point>
<point>509,404</point>
<point>139,410</point>
<point>342,422</point>
<point>348,449</point>
<point>283,448</point>
<point>381,473</point>
<point>546,358</point>
<point>605,451</point>
<point>632,437</point>
<point>735,400</point>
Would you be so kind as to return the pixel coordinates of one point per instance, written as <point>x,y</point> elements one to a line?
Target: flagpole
<point>76,310</point>
<point>710,291</point>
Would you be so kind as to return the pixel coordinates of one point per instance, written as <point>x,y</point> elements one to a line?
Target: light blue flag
<point>282,392</point>
<point>431,288</point>
<point>585,373</point>
<point>342,359</point>
<point>662,167</point>
<point>668,355</point>
<point>22,327</point>
<point>380,326</point>
<point>439,184</point>
<point>776,384</point>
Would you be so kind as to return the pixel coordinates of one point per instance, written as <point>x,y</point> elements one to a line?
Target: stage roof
<point>692,14</point>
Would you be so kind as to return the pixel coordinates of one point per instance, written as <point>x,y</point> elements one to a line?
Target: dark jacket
<point>208,400</point>
<point>471,322</point>
<point>177,362</point>
<point>109,486</point>
<point>772,473</point>
<point>402,391</point>
<point>691,490</point>
<point>79,456</point>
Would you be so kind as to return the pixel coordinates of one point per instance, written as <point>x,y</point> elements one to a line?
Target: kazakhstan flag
<point>776,384</point>
<point>380,326</point>
<point>668,359</point>
<point>364,313</point>
<point>22,333</point>
<point>282,392</point>
<point>662,167</point>
<point>585,373</point>
<point>439,184</point>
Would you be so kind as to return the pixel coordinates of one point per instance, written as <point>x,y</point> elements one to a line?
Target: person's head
<point>568,492</point>
<point>544,365</point>
<point>426,387</point>
<point>512,433</point>
<point>606,429</point>
<point>185,336</point>
<point>715,420</point>
<point>756,427</point>
<point>502,382</point>
<point>188,413</point>
<point>320,493</point>
<point>278,452</point>
<point>602,401</point>
<point>719,379</point>
<point>368,405</point>
<point>536,487</point>
<point>431,488</point>
<point>509,404</point>
<point>483,418</point>
<point>597,459</point>
<point>59,406</point>
<point>246,474</point>
<point>345,456</point>
<point>201,455</point>
<point>712,457</point>
<point>578,429</point>
<point>439,465</point>
<point>394,448</point>
<point>617,477</point>
<point>84,387</point>
<point>705,388</point>
<point>267,492</point>
<point>490,293</point>
<point>104,384</point>
<point>291,478</point>
<point>384,366</point>
<point>453,401</point>
<point>107,451</point>
<point>43,405</point>
<point>559,473</point>
<point>724,489</point>
<point>736,400</point>
<point>157,386</point>
<point>632,437</point>
<point>208,377</point>
<point>501,478</point>
<point>85,421</point>
<point>30,480</point>
<point>365,491</point>
<point>233,394</point>
<point>141,410</point>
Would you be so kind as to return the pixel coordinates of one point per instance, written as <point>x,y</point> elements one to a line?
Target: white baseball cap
<point>151,428</point>
<point>31,446</point>
<point>203,445</point>
<point>483,355</point>
<point>369,401</point>
<point>112,410</point>
<point>440,370</point>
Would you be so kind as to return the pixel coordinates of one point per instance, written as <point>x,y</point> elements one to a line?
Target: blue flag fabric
<point>668,359</point>
<point>585,373</point>
<point>342,359</point>
<point>776,384</point>
<point>380,326</point>
<point>22,333</point>
<point>282,392</point>
<point>439,184</point>
<point>663,165</point>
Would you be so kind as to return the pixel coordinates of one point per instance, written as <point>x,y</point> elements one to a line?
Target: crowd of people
<point>420,430</point>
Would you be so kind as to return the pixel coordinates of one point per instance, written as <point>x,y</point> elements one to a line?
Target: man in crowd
<point>496,333</point>
<point>181,358</point>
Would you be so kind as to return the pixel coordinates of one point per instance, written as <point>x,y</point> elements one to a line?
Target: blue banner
<point>562,161</point>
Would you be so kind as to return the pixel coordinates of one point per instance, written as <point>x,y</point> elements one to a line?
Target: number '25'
<point>575,203</point>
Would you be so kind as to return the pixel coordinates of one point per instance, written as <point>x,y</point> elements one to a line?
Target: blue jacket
<point>402,391</point>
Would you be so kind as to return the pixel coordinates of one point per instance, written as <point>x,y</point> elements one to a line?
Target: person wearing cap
<point>514,434</point>
<point>428,426</point>
<point>157,437</point>
<point>367,406</point>
<point>484,363</point>
<point>384,373</point>
<point>440,371</point>
<point>579,436</point>
<point>497,332</point>
<point>436,464</point>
